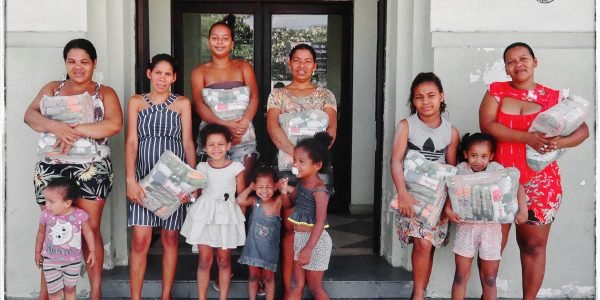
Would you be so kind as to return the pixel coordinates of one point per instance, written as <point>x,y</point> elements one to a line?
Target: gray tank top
<point>431,142</point>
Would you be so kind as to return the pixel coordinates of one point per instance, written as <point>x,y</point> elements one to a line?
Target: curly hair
<point>316,147</point>
<point>215,129</point>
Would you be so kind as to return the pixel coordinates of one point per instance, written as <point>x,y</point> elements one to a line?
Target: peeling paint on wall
<point>491,72</point>
<point>569,291</point>
<point>108,258</point>
<point>502,284</point>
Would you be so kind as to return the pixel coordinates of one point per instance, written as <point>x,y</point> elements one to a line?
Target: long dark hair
<point>421,78</point>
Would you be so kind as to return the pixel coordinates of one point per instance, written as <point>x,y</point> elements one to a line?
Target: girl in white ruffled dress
<point>215,220</point>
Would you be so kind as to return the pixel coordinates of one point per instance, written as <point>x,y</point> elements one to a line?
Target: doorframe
<point>379,106</point>
<point>142,45</point>
<point>142,84</point>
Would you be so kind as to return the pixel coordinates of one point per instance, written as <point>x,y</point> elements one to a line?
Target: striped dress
<point>158,129</point>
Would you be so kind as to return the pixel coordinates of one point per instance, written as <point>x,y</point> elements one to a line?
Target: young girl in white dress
<point>215,220</point>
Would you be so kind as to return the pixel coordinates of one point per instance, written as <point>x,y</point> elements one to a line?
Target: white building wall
<point>159,14</point>
<point>363,112</point>
<point>468,38</point>
<point>37,33</point>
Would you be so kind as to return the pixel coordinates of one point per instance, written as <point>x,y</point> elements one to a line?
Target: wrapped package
<point>425,182</point>
<point>485,197</point>
<point>559,120</point>
<point>230,105</point>
<point>76,109</point>
<point>298,126</point>
<point>169,181</point>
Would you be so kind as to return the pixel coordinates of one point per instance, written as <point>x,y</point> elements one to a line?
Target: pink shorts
<point>59,274</point>
<point>483,237</point>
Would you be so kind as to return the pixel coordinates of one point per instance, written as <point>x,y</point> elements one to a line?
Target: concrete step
<point>348,277</point>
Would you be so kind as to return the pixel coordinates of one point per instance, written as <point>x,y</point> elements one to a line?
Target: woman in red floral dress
<point>506,112</point>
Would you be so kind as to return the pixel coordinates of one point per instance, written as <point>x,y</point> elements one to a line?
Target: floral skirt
<point>544,195</point>
<point>94,178</point>
<point>409,228</point>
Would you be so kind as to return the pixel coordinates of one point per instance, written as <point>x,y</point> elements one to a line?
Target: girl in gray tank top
<point>429,133</point>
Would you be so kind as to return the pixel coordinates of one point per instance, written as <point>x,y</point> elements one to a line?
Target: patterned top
<point>431,142</point>
<point>511,154</point>
<point>305,208</point>
<point>63,235</point>
<point>319,99</point>
<point>103,149</point>
<point>159,129</point>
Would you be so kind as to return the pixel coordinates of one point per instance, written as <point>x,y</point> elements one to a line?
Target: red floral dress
<point>543,189</point>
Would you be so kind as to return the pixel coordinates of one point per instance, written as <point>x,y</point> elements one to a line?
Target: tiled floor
<point>354,271</point>
<point>351,235</point>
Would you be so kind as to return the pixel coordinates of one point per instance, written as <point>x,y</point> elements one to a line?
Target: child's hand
<point>451,215</point>
<point>252,186</point>
<point>304,256</point>
<point>135,193</point>
<point>521,216</point>
<point>39,260</point>
<point>282,185</point>
<point>405,206</point>
<point>91,260</point>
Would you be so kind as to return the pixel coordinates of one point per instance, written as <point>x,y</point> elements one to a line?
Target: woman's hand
<point>521,216</point>
<point>540,143</point>
<point>304,256</point>
<point>244,123</point>
<point>236,129</point>
<point>66,134</point>
<point>135,193</point>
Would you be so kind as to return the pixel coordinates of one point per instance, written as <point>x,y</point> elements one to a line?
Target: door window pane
<point>322,32</point>
<point>195,42</point>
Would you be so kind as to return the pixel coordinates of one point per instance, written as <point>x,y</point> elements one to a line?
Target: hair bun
<point>324,138</point>
<point>229,20</point>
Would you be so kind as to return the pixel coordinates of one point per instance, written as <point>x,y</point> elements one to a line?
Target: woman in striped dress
<point>157,122</point>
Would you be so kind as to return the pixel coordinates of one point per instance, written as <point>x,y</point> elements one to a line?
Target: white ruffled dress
<point>215,219</point>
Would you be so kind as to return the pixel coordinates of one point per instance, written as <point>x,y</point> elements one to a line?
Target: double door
<point>265,32</point>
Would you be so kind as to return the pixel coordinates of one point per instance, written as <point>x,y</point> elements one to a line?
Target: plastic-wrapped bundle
<point>485,197</point>
<point>297,126</point>
<point>425,182</point>
<point>169,181</point>
<point>76,109</point>
<point>230,104</point>
<point>559,120</point>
